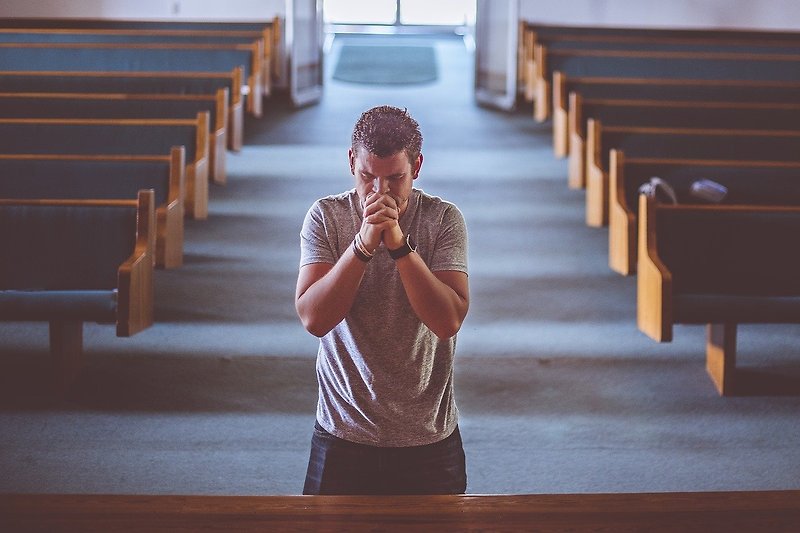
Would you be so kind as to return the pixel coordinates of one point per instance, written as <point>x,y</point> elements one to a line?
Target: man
<point>383,283</point>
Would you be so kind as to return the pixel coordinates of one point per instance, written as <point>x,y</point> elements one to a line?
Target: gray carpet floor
<point>558,390</point>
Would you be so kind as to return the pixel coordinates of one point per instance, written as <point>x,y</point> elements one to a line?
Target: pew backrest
<point>122,57</point>
<point>746,183</point>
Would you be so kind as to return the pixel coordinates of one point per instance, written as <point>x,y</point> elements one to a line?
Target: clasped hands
<point>381,221</point>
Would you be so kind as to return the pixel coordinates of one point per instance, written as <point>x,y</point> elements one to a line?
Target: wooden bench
<point>682,143</point>
<point>129,106</point>
<point>622,38</point>
<point>155,57</point>
<point>146,83</point>
<point>720,266</point>
<point>687,512</point>
<point>268,30</point>
<point>752,115</point>
<point>666,89</point>
<point>26,176</point>
<point>119,137</point>
<point>747,182</point>
<point>657,64</point>
<point>133,36</point>
<point>70,261</point>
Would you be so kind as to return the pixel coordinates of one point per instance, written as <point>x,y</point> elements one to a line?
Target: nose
<point>380,185</point>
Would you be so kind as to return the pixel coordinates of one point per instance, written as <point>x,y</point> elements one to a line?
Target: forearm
<point>325,302</point>
<point>438,305</point>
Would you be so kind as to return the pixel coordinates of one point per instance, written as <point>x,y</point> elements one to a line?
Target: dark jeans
<point>338,466</point>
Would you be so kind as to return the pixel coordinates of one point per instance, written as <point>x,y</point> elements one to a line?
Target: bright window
<point>412,12</point>
<point>440,12</point>
<point>360,12</point>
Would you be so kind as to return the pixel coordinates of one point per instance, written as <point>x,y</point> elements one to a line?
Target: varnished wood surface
<point>685,512</point>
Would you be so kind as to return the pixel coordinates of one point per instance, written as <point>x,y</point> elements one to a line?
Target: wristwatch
<point>408,246</point>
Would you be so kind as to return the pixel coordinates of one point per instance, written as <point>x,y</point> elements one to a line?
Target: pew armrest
<point>653,281</point>
<point>135,275</point>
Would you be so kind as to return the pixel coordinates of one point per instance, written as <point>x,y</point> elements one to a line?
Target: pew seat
<point>70,261</point>
<point>719,265</point>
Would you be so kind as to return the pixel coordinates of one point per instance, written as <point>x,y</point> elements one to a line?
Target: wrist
<point>408,245</point>
<point>361,251</point>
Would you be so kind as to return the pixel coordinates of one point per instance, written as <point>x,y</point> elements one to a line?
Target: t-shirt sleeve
<point>450,252</point>
<point>315,246</point>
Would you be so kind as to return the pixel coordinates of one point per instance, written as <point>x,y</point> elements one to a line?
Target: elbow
<point>447,329</point>
<point>311,322</point>
<point>314,327</point>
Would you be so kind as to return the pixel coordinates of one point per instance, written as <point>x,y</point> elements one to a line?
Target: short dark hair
<point>386,130</point>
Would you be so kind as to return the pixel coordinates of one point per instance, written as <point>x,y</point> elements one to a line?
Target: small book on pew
<point>709,191</point>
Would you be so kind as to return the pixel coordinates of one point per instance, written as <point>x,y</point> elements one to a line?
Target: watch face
<point>411,243</point>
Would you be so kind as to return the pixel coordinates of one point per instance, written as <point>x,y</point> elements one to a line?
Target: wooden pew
<point>752,115</point>
<point>74,35</point>
<point>687,512</point>
<point>154,57</point>
<point>747,182</point>
<point>720,266</point>
<point>99,177</point>
<point>595,37</point>
<point>119,137</point>
<point>658,64</point>
<point>129,106</point>
<point>190,83</point>
<point>70,261</point>
<point>565,125</point>
<point>683,143</point>
<point>268,30</point>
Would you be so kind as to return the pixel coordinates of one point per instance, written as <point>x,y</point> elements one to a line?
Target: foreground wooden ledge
<point>696,511</point>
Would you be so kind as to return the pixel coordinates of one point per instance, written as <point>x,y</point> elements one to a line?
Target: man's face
<point>394,175</point>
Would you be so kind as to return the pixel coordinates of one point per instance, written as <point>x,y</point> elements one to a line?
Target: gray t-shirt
<point>384,378</point>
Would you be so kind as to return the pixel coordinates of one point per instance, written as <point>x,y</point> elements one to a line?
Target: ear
<point>352,158</point>
<point>417,166</point>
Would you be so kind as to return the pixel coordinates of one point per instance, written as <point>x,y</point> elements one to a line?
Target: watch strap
<point>408,246</point>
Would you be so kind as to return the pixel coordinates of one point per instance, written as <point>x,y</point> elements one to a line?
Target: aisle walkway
<point>558,390</point>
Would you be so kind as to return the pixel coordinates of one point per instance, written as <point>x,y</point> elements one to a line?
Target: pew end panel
<point>577,143</point>
<point>653,280</point>
<point>596,177</point>
<point>136,286</point>
<point>560,120</point>
<point>169,217</point>
<point>255,96</point>
<point>621,219</point>
<point>529,65</point>
<point>542,102</point>
<point>219,142</point>
<point>197,172</point>
<point>561,108</point>
<point>236,111</point>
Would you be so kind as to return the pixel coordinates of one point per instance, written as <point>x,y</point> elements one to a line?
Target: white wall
<point>752,14</point>
<point>146,9</point>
